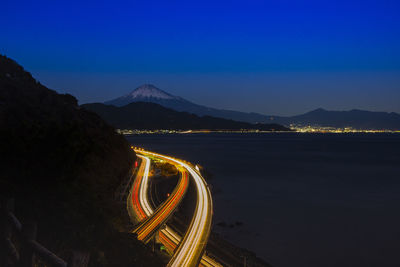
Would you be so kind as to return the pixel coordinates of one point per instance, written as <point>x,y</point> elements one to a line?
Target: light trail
<point>192,246</point>
<point>143,189</point>
<point>141,208</point>
<point>164,211</point>
<point>167,236</point>
<point>171,240</point>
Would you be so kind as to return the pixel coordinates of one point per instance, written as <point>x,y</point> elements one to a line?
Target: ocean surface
<point>308,200</point>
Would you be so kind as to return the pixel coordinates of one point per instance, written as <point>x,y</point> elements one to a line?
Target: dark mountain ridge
<point>158,96</point>
<point>354,118</point>
<point>151,116</point>
<point>359,119</point>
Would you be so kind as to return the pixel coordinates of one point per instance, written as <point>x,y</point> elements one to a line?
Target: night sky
<point>274,57</point>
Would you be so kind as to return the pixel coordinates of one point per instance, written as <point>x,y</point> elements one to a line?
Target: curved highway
<point>150,225</point>
<point>192,246</point>
<point>138,193</point>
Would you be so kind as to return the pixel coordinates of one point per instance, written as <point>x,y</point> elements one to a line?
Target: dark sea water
<point>312,200</point>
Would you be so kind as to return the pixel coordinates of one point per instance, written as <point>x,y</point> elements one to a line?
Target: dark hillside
<point>150,116</point>
<point>62,164</point>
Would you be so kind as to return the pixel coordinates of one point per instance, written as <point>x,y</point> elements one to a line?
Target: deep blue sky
<point>275,57</point>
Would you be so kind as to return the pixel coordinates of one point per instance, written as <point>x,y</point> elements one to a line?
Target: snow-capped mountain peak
<point>149,91</point>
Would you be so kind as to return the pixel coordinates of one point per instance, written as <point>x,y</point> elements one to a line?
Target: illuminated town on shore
<point>323,129</point>
<point>296,129</point>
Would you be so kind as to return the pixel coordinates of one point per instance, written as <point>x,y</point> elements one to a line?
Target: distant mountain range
<point>358,119</point>
<point>150,93</point>
<point>151,116</point>
<point>354,118</point>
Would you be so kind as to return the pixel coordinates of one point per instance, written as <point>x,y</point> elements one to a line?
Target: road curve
<point>168,237</point>
<point>151,224</point>
<point>191,248</point>
<point>137,200</point>
<point>171,240</point>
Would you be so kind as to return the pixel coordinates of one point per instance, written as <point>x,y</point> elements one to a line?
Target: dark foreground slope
<point>144,115</point>
<point>62,164</point>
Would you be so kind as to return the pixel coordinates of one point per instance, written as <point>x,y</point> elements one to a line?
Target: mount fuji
<point>150,93</point>
<point>358,119</point>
